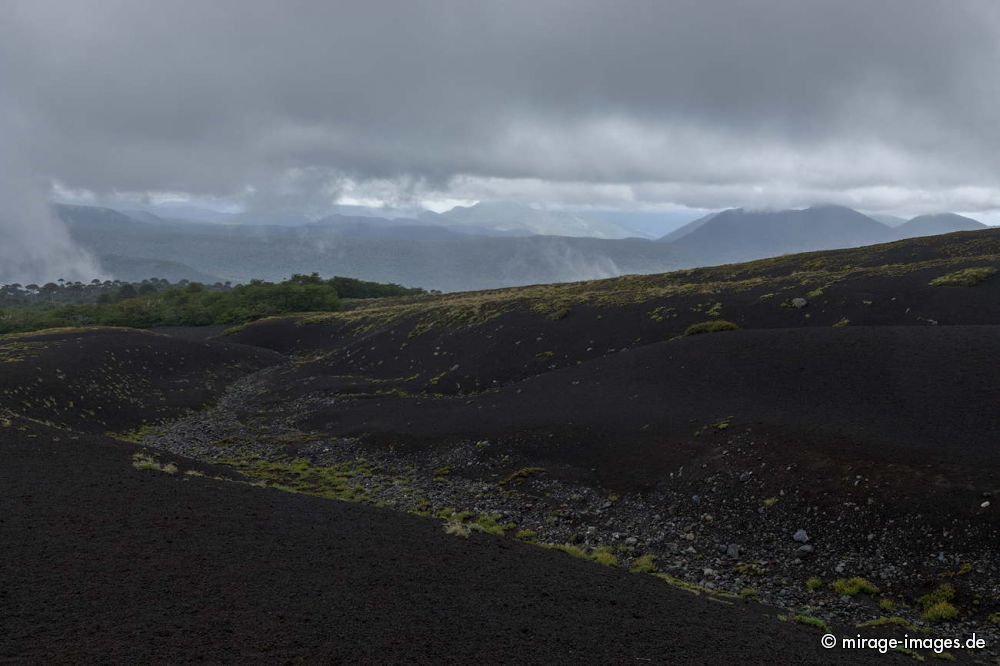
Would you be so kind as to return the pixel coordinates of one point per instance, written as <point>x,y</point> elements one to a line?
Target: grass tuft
<point>457,529</point>
<point>603,555</point>
<point>943,592</point>
<point>968,277</point>
<point>852,587</point>
<point>806,620</point>
<point>713,326</point>
<point>941,611</point>
<point>643,564</point>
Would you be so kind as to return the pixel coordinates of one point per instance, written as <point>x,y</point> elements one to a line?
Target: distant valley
<point>479,247</point>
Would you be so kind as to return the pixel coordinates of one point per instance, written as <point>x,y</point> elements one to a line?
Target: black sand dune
<point>101,562</point>
<point>922,395</point>
<point>117,380</point>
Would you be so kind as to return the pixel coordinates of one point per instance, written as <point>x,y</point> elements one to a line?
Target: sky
<point>645,105</point>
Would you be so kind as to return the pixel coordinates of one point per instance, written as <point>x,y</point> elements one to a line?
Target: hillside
<point>738,235</point>
<point>712,430</point>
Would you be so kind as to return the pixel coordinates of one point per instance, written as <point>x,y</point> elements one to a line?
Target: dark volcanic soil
<point>879,397</point>
<point>117,380</point>
<point>102,562</point>
<point>848,431</point>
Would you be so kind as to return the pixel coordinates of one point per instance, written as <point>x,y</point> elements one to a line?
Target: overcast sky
<point>886,106</point>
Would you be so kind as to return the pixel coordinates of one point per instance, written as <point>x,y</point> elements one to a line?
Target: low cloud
<point>291,105</point>
<point>35,246</point>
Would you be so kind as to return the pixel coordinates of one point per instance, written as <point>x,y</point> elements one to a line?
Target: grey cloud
<point>747,100</point>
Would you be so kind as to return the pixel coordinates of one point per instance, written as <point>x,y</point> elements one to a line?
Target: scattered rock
<point>801,536</point>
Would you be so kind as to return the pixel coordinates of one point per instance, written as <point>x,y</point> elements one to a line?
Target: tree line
<point>157,302</point>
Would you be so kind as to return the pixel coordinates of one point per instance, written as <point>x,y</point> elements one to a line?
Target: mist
<point>36,246</point>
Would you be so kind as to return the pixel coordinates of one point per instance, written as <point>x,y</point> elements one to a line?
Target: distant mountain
<point>178,211</point>
<point>887,220</point>
<point>506,218</point>
<point>439,253</point>
<point>942,223</point>
<point>376,227</point>
<point>416,254</point>
<point>740,235</point>
<point>646,224</point>
<point>680,232</point>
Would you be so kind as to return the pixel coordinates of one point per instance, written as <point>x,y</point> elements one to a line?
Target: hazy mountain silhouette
<point>738,234</point>
<point>432,252</point>
<point>512,218</point>
<point>942,223</point>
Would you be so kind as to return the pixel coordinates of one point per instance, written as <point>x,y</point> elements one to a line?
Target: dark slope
<point>117,380</point>
<point>944,223</point>
<point>919,396</point>
<point>847,362</point>
<point>739,235</point>
<point>470,342</point>
<point>191,569</point>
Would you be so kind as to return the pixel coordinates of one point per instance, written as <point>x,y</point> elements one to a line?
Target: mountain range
<point>479,247</point>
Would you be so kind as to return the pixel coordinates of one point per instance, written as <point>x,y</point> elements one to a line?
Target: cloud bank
<point>886,106</point>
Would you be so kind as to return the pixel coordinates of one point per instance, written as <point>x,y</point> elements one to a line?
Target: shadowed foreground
<point>102,561</point>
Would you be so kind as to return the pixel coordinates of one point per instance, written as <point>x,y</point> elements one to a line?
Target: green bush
<point>713,326</point>
<point>194,304</point>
